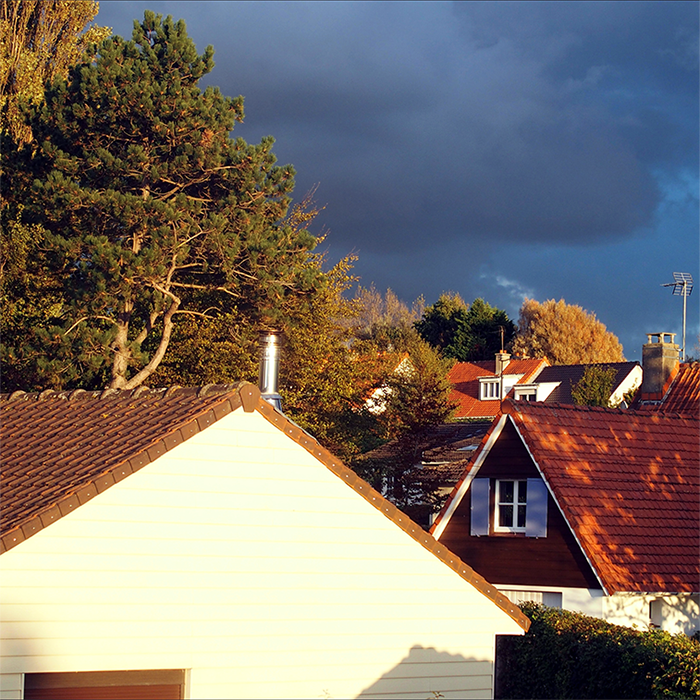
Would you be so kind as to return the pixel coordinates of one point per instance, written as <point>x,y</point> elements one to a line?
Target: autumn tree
<point>564,334</point>
<point>417,399</point>
<point>384,319</point>
<point>152,212</point>
<point>595,386</point>
<point>39,41</point>
<point>324,380</point>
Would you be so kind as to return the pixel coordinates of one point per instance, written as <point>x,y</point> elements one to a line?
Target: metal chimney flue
<point>268,371</point>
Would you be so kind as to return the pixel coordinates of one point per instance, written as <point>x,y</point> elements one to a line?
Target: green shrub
<point>570,655</point>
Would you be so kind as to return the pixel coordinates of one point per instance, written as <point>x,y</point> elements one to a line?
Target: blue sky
<point>494,149</point>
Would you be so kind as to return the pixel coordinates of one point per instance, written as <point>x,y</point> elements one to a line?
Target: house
<point>195,543</point>
<point>554,384</point>
<point>587,509</point>
<point>479,386</point>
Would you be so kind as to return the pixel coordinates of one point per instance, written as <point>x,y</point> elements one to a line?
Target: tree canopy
<point>151,212</point>
<point>466,333</point>
<point>595,386</point>
<point>39,41</point>
<point>564,334</point>
<point>417,399</point>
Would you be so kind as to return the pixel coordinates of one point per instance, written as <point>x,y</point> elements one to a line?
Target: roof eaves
<point>462,486</point>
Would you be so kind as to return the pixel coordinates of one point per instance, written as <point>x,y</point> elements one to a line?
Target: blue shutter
<point>480,507</point>
<point>536,513</point>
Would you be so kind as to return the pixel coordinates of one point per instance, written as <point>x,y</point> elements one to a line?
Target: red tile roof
<point>60,449</point>
<point>465,379</point>
<point>628,483</point>
<point>683,395</point>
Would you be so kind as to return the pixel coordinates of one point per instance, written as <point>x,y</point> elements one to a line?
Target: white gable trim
<point>464,486</point>
<point>561,510</point>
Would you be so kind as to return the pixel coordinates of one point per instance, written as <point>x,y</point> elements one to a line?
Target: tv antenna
<point>682,287</point>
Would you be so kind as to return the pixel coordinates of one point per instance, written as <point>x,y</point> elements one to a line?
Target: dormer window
<point>511,505</point>
<point>489,389</point>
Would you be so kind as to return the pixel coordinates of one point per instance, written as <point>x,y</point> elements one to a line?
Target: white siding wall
<point>11,685</point>
<point>237,555</point>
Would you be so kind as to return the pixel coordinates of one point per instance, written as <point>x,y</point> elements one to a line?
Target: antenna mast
<point>682,287</point>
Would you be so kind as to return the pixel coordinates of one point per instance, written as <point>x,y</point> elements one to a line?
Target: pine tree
<point>152,212</point>
<point>466,333</point>
<point>417,400</point>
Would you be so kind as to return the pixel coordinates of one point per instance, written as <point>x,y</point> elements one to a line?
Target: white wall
<point>672,613</point>
<point>631,381</point>
<point>239,556</point>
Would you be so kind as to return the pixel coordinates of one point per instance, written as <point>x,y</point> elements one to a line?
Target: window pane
<point>505,516</point>
<point>521,516</point>
<point>522,492</point>
<point>505,494</point>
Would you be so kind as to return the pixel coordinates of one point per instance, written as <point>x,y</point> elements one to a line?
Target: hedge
<point>570,655</point>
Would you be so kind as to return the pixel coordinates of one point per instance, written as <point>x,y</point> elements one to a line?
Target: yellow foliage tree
<point>564,334</point>
<point>39,41</point>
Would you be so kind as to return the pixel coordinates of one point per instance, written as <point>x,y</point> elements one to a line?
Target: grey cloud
<point>444,133</point>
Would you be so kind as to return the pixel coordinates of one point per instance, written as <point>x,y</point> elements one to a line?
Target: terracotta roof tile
<point>629,485</point>
<point>464,377</point>
<point>684,395</point>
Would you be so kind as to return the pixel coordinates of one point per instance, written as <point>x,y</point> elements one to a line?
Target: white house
<point>197,544</point>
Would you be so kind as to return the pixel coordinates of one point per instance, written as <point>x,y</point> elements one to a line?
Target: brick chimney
<point>268,372</point>
<point>502,360</point>
<point>659,365</point>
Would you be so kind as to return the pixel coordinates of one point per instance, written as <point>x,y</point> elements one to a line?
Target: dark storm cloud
<point>504,121</point>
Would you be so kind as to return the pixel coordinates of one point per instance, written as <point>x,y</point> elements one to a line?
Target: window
<point>490,389</point>
<point>140,685</point>
<point>511,506</point>
<point>518,506</point>
<point>552,599</point>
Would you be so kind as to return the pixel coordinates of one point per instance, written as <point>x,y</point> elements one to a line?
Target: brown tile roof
<point>570,375</point>
<point>448,442</point>
<point>464,377</point>
<point>60,449</point>
<point>628,483</point>
<point>444,450</point>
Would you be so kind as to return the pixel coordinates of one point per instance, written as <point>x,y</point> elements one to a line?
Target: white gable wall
<point>241,558</point>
